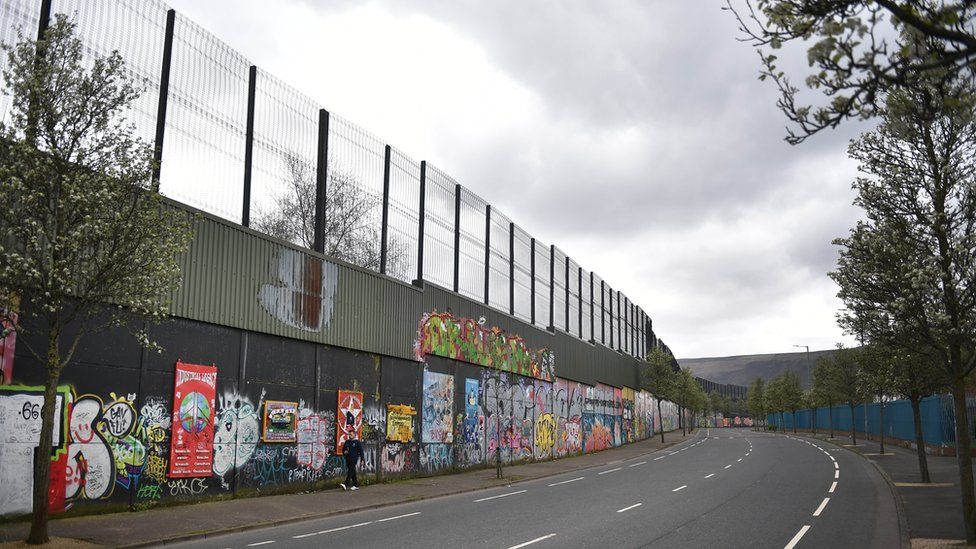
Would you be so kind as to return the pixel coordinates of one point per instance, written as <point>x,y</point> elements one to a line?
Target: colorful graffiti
<point>237,433</point>
<point>443,334</point>
<point>302,294</point>
<point>438,408</point>
<point>398,459</point>
<point>435,457</point>
<point>315,434</point>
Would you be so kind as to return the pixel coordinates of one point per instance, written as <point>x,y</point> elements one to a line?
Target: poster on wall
<point>191,446</point>
<point>438,408</point>
<point>8,340</point>
<point>280,421</point>
<point>399,422</point>
<point>471,391</point>
<point>349,418</point>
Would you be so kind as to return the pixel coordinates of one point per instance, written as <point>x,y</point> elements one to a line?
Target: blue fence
<point>938,419</point>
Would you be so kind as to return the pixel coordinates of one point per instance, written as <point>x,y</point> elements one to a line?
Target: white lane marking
<point>566,481</point>
<point>536,540</point>
<point>747,453</point>
<point>260,543</point>
<point>729,465</point>
<point>399,517</point>
<point>335,529</point>
<point>609,471</point>
<point>499,496</point>
<point>836,466</point>
<point>832,487</point>
<point>740,459</point>
<point>710,475</point>
<point>797,537</point>
<point>636,464</point>
<point>836,474</point>
<point>821,508</point>
<point>832,458</point>
<point>680,488</point>
<point>662,457</point>
<point>629,508</point>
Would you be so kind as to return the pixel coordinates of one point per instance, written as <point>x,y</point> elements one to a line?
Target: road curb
<point>903,531</point>
<point>274,523</point>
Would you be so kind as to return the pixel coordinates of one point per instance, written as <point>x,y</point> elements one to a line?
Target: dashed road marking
<point>740,459</point>
<point>710,475</point>
<point>629,508</point>
<point>500,496</point>
<point>399,517</point>
<point>636,464</point>
<point>657,458</point>
<point>530,542</point>
<point>729,465</point>
<point>260,543</point>
<point>821,508</point>
<point>566,481</point>
<point>837,474</point>
<point>797,537</point>
<point>832,487</point>
<point>836,466</point>
<point>680,488</point>
<point>609,471</point>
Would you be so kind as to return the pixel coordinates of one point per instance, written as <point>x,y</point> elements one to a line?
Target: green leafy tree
<point>686,391</point>
<point>878,377</point>
<point>907,274</point>
<point>792,393</point>
<point>916,376</point>
<point>847,381</point>
<point>857,50</point>
<point>757,402</point>
<point>658,378</point>
<point>86,242</point>
<point>775,401</point>
<point>825,390</point>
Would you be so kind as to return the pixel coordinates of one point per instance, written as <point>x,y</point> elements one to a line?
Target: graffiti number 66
<point>30,411</point>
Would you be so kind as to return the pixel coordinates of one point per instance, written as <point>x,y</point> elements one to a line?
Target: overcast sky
<point>635,135</point>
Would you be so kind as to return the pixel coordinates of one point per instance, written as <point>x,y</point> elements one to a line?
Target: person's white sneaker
<point>354,488</point>
<point>343,486</point>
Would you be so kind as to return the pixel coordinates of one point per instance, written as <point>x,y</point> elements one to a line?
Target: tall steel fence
<point>232,140</point>
<point>937,419</point>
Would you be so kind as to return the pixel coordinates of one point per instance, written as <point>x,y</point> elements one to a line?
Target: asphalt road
<point>722,488</point>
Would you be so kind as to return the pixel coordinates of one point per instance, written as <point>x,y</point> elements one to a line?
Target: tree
<point>878,377</point>
<point>825,387</point>
<point>351,233</point>
<point>757,404</point>
<point>916,376</point>
<point>792,393</point>
<point>86,243</point>
<point>847,381</point>
<point>811,402</point>
<point>658,378</point>
<point>907,274</point>
<point>775,401</point>
<point>858,51</point>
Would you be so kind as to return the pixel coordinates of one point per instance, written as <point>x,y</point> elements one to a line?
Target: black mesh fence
<point>204,165</point>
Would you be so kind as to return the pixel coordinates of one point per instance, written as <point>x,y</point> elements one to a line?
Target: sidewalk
<point>933,511</point>
<point>169,524</point>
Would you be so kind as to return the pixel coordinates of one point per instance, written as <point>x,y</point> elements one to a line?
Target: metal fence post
<point>552,288</point>
<point>321,181</point>
<point>487,251</point>
<point>610,316</point>
<point>566,267</point>
<point>457,237</point>
<point>163,97</point>
<point>384,228</point>
<point>511,268</point>
<point>603,314</point>
<point>532,282</point>
<point>252,76</point>
<point>579,300</point>
<point>420,222</point>
<point>592,326</point>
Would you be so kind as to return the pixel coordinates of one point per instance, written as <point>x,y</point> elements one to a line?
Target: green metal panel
<point>233,276</point>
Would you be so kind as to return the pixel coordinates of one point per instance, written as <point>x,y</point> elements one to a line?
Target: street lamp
<point>810,380</point>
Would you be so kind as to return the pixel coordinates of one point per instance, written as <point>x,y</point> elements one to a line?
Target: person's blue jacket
<point>353,450</point>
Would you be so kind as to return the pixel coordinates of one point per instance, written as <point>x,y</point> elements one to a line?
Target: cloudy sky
<point>633,134</point>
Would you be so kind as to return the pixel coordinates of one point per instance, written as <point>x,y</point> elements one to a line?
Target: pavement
<point>933,511</point>
<point>206,520</point>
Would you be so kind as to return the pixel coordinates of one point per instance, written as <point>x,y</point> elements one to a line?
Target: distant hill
<point>742,370</point>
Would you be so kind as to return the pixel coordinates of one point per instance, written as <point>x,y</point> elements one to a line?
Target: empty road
<point>721,488</point>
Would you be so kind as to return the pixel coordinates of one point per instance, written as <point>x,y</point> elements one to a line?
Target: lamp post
<point>810,380</point>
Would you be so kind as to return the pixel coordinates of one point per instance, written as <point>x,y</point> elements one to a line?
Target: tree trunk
<point>923,462</point>
<point>660,418</point>
<point>794,421</point>
<point>782,422</point>
<point>813,420</point>
<point>853,437</point>
<point>830,418</point>
<point>963,445</point>
<point>42,456</point>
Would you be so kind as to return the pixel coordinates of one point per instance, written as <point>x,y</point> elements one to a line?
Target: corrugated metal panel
<point>236,277</point>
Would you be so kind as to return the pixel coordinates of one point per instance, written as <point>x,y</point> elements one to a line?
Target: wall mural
<point>349,417</point>
<point>399,422</point>
<point>438,408</point>
<point>194,401</point>
<point>280,421</point>
<point>443,334</point>
<point>302,294</point>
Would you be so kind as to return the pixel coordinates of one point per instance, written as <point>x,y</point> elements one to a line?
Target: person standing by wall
<point>353,450</point>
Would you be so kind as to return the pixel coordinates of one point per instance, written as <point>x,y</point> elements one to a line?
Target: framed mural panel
<point>399,422</point>
<point>349,417</point>
<point>191,447</point>
<point>280,421</point>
